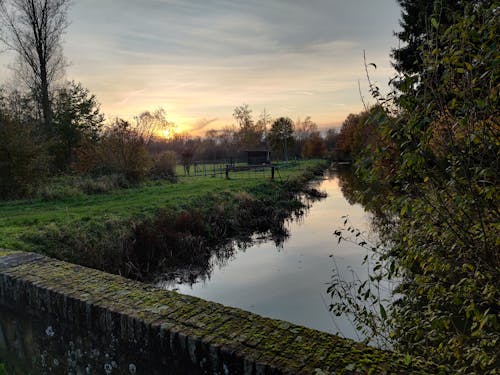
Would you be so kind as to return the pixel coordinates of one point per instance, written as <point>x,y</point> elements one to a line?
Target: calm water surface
<point>290,281</point>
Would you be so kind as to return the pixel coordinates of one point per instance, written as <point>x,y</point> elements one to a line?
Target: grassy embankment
<point>128,230</point>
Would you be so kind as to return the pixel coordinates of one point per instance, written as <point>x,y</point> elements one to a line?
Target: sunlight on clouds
<point>198,59</point>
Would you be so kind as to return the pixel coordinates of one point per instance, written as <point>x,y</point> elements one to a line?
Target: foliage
<point>357,134</point>
<point>444,145</point>
<point>23,161</point>
<point>314,147</point>
<point>120,150</point>
<point>331,139</point>
<point>77,186</point>
<point>18,106</point>
<point>363,300</point>
<point>281,135</point>
<point>449,229</point>
<point>76,115</point>
<point>303,132</point>
<point>187,155</point>
<point>164,165</point>
<point>416,23</point>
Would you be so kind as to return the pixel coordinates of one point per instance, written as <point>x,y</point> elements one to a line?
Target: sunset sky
<point>198,59</point>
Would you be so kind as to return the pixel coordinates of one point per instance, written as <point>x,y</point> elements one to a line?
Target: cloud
<point>199,59</point>
<point>202,124</point>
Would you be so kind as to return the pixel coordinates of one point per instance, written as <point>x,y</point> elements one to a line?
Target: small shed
<point>255,157</point>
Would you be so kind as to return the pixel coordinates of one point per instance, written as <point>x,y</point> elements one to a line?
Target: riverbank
<point>138,231</point>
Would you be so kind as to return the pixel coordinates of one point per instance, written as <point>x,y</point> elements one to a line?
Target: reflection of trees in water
<point>223,253</point>
<point>219,256</point>
<point>370,196</point>
<point>364,300</point>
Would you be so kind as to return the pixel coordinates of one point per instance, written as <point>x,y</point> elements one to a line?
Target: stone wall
<point>181,334</point>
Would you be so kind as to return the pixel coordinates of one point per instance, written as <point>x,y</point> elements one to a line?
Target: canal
<point>288,279</point>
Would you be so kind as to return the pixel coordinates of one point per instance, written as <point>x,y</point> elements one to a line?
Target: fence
<point>234,169</point>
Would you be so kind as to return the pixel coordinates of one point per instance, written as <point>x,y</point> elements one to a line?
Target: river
<point>289,281</point>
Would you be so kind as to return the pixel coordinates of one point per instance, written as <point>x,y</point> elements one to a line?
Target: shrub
<point>23,160</point>
<point>75,186</point>
<point>98,243</point>
<point>164,165</point>
<point>120,150</point>
<point>443,246</point>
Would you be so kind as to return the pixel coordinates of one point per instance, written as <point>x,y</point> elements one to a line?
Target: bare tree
<point>154,124</point>
<point>305,129</point>
<point>250,133</point>
<point>33,29</point>
<point>264,119</point>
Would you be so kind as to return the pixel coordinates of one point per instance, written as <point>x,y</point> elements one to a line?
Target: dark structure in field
<point>255,157</point>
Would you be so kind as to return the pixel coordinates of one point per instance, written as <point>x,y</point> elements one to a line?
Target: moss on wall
<point>209,336</point>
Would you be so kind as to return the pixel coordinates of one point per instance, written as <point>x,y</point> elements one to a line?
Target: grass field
<point>18,218</point>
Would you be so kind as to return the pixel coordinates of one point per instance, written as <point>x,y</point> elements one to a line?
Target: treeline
<point>80,141</point>
<point>283,137</point>
<point>77,141</point>
<point>433,144</point>
<point>49,127</point>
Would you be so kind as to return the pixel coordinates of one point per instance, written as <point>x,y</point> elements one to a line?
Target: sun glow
<point>168,132</point>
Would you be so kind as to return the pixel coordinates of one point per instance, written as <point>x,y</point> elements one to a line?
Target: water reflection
<point>224,253</point>
<point>288,279</point>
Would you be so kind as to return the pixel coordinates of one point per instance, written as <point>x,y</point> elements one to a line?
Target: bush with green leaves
<point>444,142</point>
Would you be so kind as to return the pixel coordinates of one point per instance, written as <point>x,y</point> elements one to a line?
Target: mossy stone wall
<point>193,335</point>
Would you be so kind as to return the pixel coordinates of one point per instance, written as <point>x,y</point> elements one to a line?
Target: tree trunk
<point>44,95</point>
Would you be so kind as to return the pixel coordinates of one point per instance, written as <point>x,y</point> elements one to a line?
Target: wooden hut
<point>256,157</point>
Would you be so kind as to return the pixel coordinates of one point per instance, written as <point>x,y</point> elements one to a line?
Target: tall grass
<point>104,230</point>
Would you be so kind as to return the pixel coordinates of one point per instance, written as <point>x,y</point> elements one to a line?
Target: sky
<point>199,59</point>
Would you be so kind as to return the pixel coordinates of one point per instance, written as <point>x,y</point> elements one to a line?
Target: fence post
<point>272,173</point>
<point>227,171</point>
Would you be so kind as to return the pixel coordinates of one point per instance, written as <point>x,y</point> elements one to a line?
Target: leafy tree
<point>33,29</point>
<point>417,27</point>
<point>281,135</point>
<point>358,131</point>
<point>314,147</point>
<point>76,115</point>
<point>264,120</point>
<point>305,129</point>
<point>227,138</point>
<point>164,165</point>
<point>18,106</point>
<point>444,192</point>
<point>331,138</point>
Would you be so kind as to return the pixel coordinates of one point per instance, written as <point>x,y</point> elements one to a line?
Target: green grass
<point>18,218</point>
